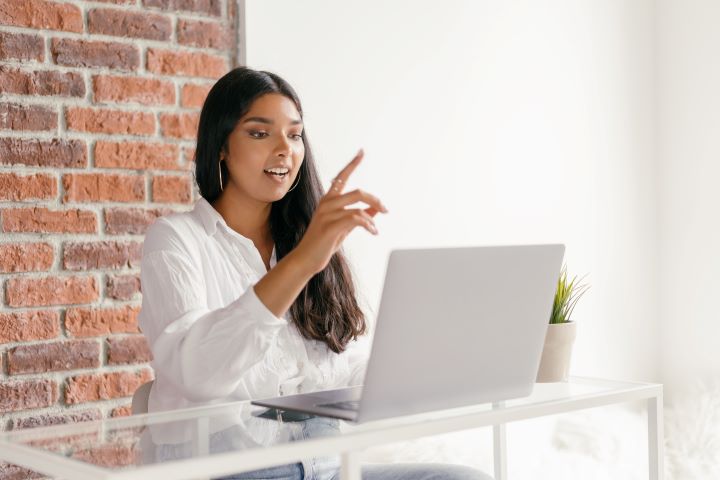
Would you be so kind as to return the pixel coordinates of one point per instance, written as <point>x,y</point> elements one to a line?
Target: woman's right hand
<point>332,221</point>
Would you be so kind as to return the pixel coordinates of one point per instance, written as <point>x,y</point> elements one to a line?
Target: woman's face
<point>267,137</point>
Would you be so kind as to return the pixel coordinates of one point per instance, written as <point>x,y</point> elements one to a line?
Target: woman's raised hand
<point>332,221</point>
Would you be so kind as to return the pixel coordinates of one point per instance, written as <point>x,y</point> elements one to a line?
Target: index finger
<point>339,182</point>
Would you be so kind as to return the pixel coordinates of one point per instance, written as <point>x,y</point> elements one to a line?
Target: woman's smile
<point>277,177</point>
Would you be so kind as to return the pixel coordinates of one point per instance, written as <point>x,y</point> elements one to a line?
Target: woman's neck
<point>248,217</point>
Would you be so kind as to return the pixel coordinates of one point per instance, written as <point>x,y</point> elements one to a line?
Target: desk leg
<point>499,448</point>
<point>350,467</point>
<point>656,438</point>
<point>201,445</point>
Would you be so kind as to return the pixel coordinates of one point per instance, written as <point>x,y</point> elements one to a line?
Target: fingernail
<point>384,208</point>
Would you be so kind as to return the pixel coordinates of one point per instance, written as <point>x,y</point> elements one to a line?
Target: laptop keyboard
<point>352,405</point>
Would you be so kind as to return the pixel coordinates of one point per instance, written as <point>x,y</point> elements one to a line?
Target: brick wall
<point>98,110</point>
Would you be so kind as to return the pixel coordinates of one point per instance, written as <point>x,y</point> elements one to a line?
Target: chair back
<point>140,398</point>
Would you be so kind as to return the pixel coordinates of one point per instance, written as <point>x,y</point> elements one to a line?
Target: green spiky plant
<point>566,296</point>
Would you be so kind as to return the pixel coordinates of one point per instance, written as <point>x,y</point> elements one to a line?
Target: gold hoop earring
<point>296,183</point>
<point>220,174</point>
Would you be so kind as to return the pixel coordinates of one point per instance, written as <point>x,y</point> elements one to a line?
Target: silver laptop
<point>456,327</point>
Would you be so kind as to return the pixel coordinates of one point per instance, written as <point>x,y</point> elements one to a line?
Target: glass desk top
<point>127,444</point>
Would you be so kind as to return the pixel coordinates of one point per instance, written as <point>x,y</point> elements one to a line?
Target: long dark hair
<point>326,309</point>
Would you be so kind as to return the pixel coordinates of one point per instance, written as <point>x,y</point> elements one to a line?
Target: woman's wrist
<point>298,264</point>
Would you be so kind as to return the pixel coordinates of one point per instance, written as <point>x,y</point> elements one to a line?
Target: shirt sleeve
<point>358,353</point>
<point>203,352</point>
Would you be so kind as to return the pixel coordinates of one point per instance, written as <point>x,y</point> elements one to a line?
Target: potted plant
<point>561,332</point>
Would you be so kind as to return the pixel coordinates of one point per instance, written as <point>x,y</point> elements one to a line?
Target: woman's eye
<point>258,134</point>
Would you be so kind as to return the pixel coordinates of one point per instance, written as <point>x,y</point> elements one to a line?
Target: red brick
<point>27,117</point>
<point>122,287</point>
<point>168,62</point>
<point>147,91</point>
<point>209,7</point>
<point>136,155</point>
<point>110,121</point>
<point>43,220</point>
<point>124,23</point>
<point>131,220</point>
<point>43,153</point>
<point>109,455</point>
<point>29,325</point>
<point>126,350</point>
<point>84,53</point>
<point>47,419</point>
<point>41,82</point>
<point>231,10</point>
<point>179,125</point>
<point>28,394</point>
<point>171,189</point>
<point>21,46</point>
<point>51,357</point>
<point>86,322</point>
<point>88,255</point>
<point>193,95</point>
<point>117,2</point>
<point>104,386</point>
<point>189,157</point>
<point>9,471</point>
<point>103,187</point>
<point>18,188</point>
<point>40,14</point>
<point>30,292</point>
<point>25,257</point>
<point>203,34</point>
<point>122,411</point>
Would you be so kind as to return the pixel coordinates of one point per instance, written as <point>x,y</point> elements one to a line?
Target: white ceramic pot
<point>555,360</point>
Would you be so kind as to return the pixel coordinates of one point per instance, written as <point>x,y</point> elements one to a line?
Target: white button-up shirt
<point>212,339</point>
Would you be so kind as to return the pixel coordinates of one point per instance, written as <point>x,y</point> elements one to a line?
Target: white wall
<point>689,146</point>
<point>489,122</point>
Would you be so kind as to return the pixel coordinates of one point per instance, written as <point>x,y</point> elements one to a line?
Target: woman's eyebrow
<point>268,121</point>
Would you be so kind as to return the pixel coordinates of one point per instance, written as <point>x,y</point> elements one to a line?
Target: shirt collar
<point>210,218</point>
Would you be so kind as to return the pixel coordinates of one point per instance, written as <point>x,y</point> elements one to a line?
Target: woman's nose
<point>284,146</point>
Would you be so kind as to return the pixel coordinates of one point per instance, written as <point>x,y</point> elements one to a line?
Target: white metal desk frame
<point>350,445</point>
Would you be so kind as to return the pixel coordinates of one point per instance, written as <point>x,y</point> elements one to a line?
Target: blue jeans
<point>323,468</point>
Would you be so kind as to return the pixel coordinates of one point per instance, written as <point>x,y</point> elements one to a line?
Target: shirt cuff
<point>259,310</point>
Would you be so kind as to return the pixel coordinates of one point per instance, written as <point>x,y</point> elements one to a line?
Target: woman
<point>248,295</point>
